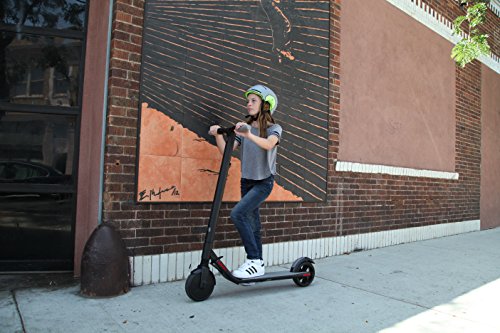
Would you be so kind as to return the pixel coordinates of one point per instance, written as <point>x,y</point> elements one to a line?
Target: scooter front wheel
<point>193,288</point>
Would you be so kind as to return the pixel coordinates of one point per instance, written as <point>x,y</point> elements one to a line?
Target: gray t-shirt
<point>258,163</point>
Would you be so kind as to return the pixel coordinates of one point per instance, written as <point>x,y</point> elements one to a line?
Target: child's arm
<point>264,143</point>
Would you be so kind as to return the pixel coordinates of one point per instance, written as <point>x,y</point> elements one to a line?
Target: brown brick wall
<point>356,203</point>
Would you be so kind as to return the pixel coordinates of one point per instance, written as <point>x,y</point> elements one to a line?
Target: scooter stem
<point>219,191</point>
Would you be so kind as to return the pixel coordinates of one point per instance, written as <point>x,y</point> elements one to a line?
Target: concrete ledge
<point>177,266</point>
<point>392,170</point>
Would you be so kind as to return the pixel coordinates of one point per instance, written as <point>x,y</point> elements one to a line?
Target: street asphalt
<point>449,284</point>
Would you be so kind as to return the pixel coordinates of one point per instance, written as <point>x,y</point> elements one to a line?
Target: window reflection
<point>36,148</point>
<point>31,84</point>
<point>39,67</point>
<point>39,70</point>
<point>58,14</point>
<point>29,222</point>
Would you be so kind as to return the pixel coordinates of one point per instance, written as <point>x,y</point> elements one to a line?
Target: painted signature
<point>143,195</point>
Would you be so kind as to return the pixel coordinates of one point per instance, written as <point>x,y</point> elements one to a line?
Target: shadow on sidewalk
<point>15,281</point>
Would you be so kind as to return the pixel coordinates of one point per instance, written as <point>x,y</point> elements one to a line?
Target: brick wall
<point>356,203</point>
<point>368,203</point>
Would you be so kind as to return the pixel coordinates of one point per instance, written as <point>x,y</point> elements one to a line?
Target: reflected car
<point>31,172</point>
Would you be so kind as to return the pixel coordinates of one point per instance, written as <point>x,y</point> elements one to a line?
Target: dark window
<point>61,82</point>
<point>32,62</point>
<point>29,83</point>
<point>35,228</point>
<point>36,82</point>
<point>19,87</point>
<point>58,14</point>
<point>39,147</point>
<point>41,57</point>
<point>21,171</point>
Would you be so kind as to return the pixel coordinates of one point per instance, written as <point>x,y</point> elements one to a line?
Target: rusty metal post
<point>105,265</point>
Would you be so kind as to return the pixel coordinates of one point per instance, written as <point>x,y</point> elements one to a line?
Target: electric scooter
<point>201,282</point>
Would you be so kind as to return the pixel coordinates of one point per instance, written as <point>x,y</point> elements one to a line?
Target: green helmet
<point>266,94</point>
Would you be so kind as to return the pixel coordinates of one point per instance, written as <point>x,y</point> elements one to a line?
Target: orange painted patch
<point>157,174</point>
<point>176,164</point>
<point>159,136</point>
<point>199,178</point>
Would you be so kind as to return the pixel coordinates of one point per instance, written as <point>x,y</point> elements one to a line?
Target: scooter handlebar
<point>225,130</point>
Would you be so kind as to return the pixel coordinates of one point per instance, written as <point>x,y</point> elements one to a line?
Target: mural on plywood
<point>199,57</point>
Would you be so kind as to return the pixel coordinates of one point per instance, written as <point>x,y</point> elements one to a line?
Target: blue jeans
<point>245,215</point>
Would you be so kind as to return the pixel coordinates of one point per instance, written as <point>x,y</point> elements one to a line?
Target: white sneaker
<point>250,268</point>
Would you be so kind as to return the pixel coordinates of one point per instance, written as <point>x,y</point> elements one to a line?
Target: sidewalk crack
<point>13,292</point>
<point>375,293</point>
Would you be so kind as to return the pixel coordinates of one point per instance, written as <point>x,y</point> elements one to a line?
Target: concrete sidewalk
<point>450,284</point>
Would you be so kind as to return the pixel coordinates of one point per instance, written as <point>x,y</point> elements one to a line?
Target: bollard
<point>105,269</point>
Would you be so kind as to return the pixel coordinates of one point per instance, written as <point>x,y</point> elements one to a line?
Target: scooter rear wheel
<point>193,289</point>
<point>305,266</point>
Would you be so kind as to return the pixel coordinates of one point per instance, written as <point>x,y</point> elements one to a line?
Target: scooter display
<point>201,282</point>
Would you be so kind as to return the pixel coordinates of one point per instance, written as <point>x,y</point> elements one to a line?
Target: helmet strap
<point>254,118</point>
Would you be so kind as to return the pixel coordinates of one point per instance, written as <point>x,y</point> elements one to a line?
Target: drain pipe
<point>104,114</point>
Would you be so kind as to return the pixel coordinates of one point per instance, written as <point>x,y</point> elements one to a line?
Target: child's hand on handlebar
<point>243,129</point>
<point>213,130</point>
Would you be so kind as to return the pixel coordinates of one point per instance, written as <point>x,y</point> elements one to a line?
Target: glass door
<point>42,44</point>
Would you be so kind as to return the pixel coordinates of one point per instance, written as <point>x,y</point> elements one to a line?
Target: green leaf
<point>457,23</point>
<point>476,14</point>
<point>475,44</point>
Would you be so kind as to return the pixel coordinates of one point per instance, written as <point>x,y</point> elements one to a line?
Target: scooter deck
<point>274,276</point>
